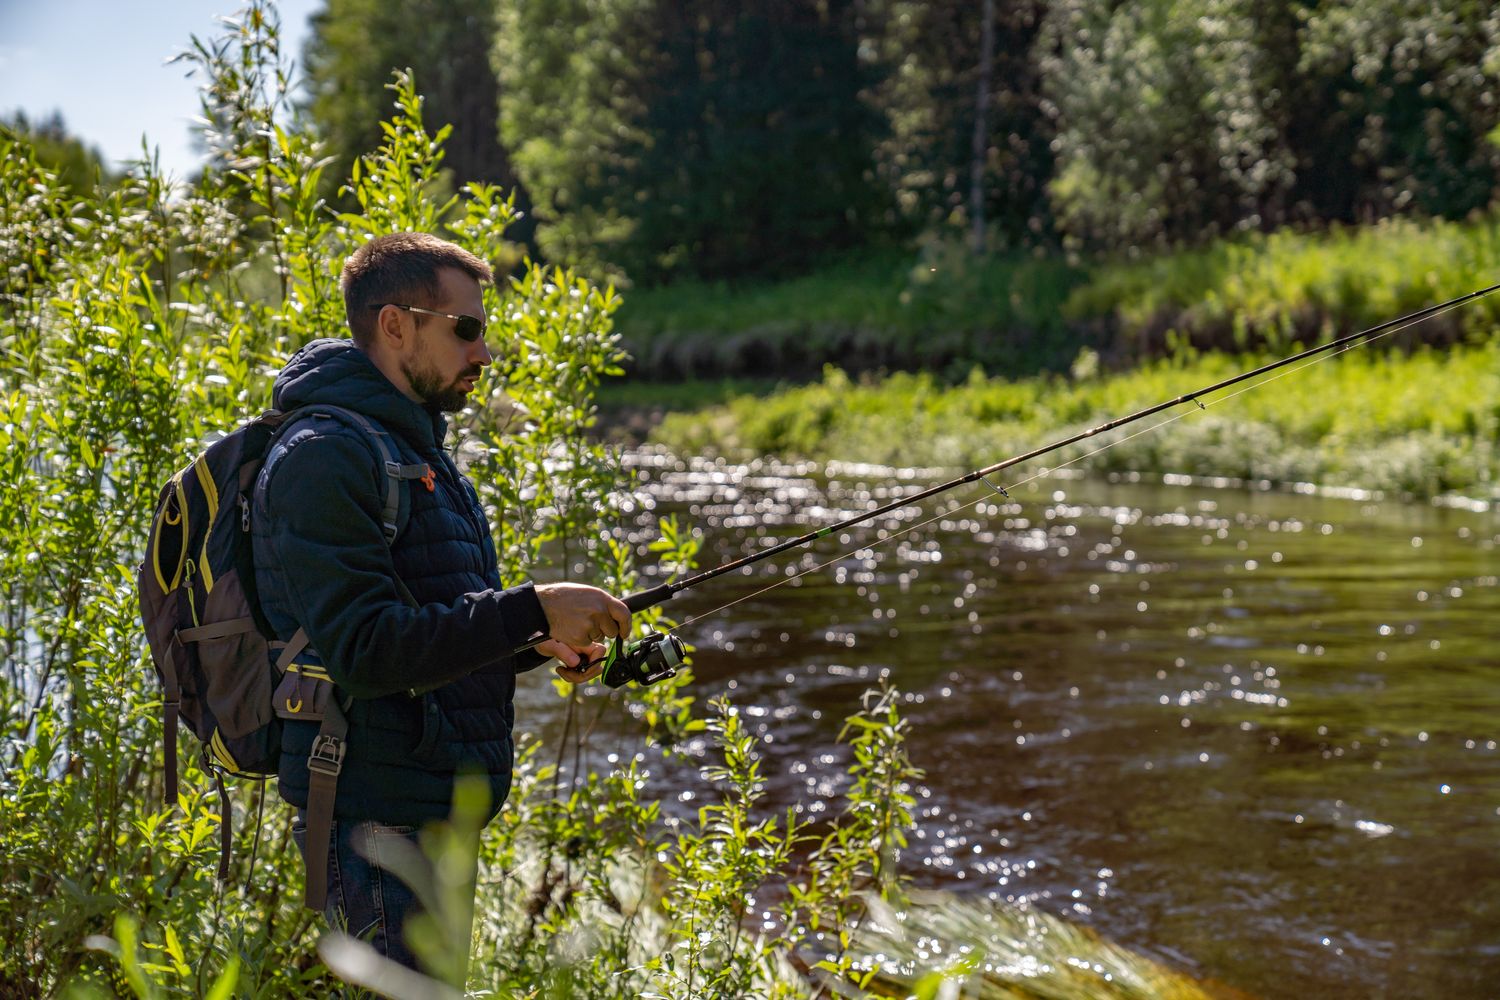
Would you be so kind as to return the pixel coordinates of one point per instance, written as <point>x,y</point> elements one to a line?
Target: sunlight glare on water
<point>1251,732</point>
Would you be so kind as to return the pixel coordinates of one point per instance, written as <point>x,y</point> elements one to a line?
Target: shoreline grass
<point>940,309</point>
<point>1419,424</point>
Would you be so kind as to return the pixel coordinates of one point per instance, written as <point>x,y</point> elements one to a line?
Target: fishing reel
<point>651,658</point>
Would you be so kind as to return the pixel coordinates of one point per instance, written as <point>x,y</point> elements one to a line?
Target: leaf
<point>130,961</point>
<point>174,949</point>
<point>223,987</point>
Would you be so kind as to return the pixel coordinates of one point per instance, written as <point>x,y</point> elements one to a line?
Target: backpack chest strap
<point>290,650</point>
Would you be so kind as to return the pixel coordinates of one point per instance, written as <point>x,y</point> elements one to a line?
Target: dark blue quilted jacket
<point>322,562</point>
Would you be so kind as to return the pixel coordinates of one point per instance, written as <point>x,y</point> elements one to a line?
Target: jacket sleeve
<point>324,505</point>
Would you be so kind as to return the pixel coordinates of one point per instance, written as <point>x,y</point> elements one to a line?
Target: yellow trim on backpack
<point>210,488</point>
<point>176,478</point>
<point>221,752</point>
<point>211,492</point>
<point>312,670</point>
<point>156,554</point>
<point>187,585</point>
<point>204,568</point>
<point>182,512</point>
<point>166,519</point>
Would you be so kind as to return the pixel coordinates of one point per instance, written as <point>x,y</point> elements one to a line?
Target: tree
<point>931,75</point>
<point>353,48</point>
<point>1166,120</point>
<point>77,165</point>
<point>1179,119</point>
<point>570,112</point>
<point>759,151</point>
<point>981,125</point>
<point>664,139</point>
<point>1414,84</point>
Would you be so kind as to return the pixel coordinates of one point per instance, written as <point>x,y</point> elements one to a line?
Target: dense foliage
<point>708,139</point>
<point>141,321</point>
<point>668,141</point>
<point>1183,117</point>
<point>77,165</point>
<point>946,311</point>
<point>357,44</point>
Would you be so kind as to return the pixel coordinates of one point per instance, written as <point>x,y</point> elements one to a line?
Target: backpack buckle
<point>327,755</point>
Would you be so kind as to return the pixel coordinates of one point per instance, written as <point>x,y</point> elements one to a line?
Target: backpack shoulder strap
<point>396,473</point>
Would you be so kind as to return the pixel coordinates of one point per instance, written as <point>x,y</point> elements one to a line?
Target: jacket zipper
<point>461,496</point>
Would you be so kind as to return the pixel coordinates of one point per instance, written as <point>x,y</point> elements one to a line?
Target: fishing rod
<point>656,656</point>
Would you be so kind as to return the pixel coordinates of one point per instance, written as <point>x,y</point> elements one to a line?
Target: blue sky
<point>102,63</point>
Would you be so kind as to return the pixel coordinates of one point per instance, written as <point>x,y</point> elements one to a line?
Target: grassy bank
<point>875,310</point>
<point>1422,424</point>
<point>944,311</point>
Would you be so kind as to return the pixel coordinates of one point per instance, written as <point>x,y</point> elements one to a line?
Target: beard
<point>437,396</point>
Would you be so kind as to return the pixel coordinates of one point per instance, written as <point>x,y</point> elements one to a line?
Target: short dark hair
<point>400,267</point>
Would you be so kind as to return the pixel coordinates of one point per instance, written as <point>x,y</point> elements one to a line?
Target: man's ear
<point>391,332</point>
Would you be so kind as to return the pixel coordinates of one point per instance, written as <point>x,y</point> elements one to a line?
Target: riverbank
<point>1419,424</point>
<point>940,309</point>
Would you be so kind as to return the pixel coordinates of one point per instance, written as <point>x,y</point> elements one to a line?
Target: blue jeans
<point>365,899</point>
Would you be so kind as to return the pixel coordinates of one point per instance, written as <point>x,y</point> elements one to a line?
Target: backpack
<point>221,669</point>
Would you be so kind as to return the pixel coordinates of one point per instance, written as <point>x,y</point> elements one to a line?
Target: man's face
<point>441,368</point>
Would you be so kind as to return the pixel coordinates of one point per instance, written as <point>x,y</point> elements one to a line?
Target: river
<point>1250,732</point>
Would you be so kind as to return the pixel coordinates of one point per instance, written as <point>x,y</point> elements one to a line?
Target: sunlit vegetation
<point>945,311</point>
<point>1419,424</point>
<point>138,320</point>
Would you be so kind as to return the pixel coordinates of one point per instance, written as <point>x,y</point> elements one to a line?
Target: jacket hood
<point>335,372</point>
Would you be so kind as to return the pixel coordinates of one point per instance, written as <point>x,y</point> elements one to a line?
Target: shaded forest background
<point>651,141</point>
<point>654,140</point>
<point>888,184</point>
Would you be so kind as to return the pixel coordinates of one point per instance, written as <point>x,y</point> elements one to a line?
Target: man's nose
<point>480,354</point>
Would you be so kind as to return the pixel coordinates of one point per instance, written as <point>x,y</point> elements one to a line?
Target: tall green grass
<point>1271,290</point>
<point>885,308</point>
<point>1421,424</point>
<point>943,310</point>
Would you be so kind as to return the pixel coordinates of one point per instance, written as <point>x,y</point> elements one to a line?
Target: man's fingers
<point>621,615</point>
<point>573,675</point>
<point>561,651</point>
<point>612,620</point>
<point>579,614</point>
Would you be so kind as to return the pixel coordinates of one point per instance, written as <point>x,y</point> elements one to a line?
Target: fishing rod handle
<point>643,599</point>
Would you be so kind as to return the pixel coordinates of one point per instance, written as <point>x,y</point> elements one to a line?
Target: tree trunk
<point>981,127</point>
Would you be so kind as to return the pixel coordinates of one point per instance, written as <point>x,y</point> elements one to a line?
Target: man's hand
<point>579,616</point>
<point>569,658</point>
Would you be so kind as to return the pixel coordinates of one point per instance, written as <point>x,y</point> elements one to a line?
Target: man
<point>417,632</point>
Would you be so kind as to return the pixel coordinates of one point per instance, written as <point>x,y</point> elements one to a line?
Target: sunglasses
<point>465,328</point>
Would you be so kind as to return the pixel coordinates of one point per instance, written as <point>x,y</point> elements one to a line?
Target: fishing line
<point>1330,351</point>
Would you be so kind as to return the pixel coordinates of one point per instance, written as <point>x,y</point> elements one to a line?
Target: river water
<point>1251,733</point>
